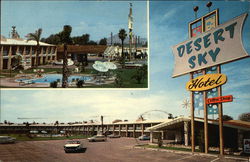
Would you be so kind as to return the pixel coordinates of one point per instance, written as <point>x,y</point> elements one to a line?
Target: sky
<point>97,18</point>
<point>168,22</point>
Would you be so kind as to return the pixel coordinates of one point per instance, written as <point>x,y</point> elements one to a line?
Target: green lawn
<point>177,148</point>
<point>126,75</point>
<point>168,148</point>
<point>24,137</point>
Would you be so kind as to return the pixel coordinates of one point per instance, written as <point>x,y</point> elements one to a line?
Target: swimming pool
<point>48,78</point>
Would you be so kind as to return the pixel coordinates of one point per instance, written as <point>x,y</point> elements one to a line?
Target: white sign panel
<point>247,146</point>
<point>217,46</point>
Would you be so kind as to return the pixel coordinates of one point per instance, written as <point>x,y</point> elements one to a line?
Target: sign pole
<point>205,118</point>
<point>192,115</point>
<point>220,117</point>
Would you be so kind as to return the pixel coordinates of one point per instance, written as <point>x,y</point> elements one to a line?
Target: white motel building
<point>10,47</point>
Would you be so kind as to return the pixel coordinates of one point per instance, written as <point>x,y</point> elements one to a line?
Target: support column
<point>9,57</point>
<point>162,135</point>
<point>51,56</point>
<point>126,130</point>
<point>1,58</point>
<point>17,49</point>
<point>119,129</point>
<point>205,118</point>
<point>186,132</point>
<point>113,129</point>
<point>88,130</point>
<point>134,130</point>
<point>41,56</point>
<point>220,117</point>
<point>24,53</point>
<point>36,52</point>
<point>151,136</point>
<point>93,130</point>
<point>98,127</point>
<point>192,116</point>
<point>31,56</point>
<point>142,129</point>
<point>55,53</point>
<point>46,55</point>
<point>107,129</point>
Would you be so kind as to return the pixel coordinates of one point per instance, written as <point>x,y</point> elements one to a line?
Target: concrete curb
<point>190,153</point>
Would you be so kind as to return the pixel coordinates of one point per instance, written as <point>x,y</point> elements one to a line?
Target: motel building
<point>173,131</point>
<point>80,52</point>
<point>10,47</point>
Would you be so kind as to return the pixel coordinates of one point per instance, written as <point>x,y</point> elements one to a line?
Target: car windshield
<point>73,142</point>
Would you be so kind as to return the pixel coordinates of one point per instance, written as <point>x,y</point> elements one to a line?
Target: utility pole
<point>130,27</point>
<point>111,43</point>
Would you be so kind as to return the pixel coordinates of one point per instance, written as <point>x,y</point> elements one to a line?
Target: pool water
<point>48,78</point>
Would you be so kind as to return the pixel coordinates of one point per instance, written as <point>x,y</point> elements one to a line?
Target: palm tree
<point>57,126</point>
<point>65,40</point>
<point>36,37</point>
<point>122,36</point>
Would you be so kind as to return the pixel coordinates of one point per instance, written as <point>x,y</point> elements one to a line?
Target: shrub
<point>53,84</point>
<point>80,83</point>
<point>245,117</point>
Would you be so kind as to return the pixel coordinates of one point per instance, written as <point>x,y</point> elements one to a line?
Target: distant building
<point>175,131</point>
<point>80,53</point>
<point>9,47</point>
<point>114,52</point>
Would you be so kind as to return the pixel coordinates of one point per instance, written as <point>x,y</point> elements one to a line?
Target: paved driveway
<point>114,150</point>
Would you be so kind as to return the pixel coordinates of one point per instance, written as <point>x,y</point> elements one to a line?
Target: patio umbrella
<point>100,67</point>
<point>110,65</point>
<point>98,62</point>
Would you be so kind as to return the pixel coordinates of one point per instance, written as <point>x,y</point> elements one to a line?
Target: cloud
<point>81,105</point>
<point>169,14</point>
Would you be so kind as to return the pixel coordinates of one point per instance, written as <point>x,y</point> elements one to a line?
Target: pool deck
<point>12,83</point>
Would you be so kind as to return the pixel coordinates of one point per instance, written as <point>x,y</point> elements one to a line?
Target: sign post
<point>192,116</point>
<point>220,118</point>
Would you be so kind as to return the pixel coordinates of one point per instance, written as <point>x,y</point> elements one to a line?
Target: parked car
<point>7,139</point>
<point>144,137</point>
<point>74,146</point>
<point>97,138</point>
<point>44,132</point>
<point>132,65</point>
<point>114,136</point>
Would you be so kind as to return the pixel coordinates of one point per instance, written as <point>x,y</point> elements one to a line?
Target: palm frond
<point>34,36</point>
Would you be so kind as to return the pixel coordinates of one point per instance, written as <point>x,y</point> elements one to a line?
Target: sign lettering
<point>217,46</point>
<point>206,82</point>
<point>220,99</point>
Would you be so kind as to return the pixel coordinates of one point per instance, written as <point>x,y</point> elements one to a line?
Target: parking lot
<point>113,150</point>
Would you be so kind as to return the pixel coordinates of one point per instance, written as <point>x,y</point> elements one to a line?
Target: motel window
<point>5,50</point>
<point>52,50</point>
<point>27,50</point>
<point>14,50</point>
<point>21,50</point>
<point>44,50</point>
<point>33,50</point>
<point>40,50</point>
<point>49,50</point>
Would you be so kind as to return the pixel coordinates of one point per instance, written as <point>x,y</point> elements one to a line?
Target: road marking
<point>215,159</point>
<point>185,158</point>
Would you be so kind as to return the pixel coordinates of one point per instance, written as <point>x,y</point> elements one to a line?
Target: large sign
<point>206,82</point>
<point>216,46</point>
<point>219,99</point>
